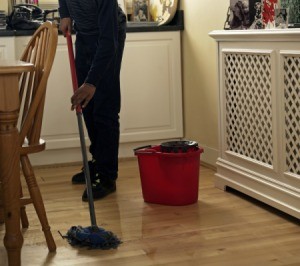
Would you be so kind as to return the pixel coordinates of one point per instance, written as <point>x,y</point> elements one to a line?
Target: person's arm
<point>65,24</point>
<point>107,41</point>
<point>105,54</point>
<point>63,9</point>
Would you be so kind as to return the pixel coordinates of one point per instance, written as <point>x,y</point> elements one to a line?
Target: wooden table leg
<point>10,177</point>
<point>10,72</point>
<point>1,206</point>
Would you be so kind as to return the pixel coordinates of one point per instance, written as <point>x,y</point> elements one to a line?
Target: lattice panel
<point>248,105</point>
<point>292,112</point>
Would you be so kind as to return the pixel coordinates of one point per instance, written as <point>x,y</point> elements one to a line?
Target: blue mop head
<point>93,237</point>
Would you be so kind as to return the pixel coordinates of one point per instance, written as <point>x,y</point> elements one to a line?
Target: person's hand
<point>65,26</point>
<point>83,95</point>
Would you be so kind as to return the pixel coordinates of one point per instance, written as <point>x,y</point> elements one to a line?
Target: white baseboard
<point>258,186</point>
<point>210,155</point>
<point>72,155</point>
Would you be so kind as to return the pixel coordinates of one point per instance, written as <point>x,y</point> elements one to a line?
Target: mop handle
<point>81,134</point>
<point>72,67</point>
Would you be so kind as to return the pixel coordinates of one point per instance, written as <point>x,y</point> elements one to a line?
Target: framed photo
<point>128,4</point>
<point>140,10</point>
<point>256,8</point>
<point>268,13</point>
<point>293,7</point>
<point>281,18</point>
<point>239,15</point>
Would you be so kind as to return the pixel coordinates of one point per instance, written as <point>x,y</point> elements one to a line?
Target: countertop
<point>177,24</point>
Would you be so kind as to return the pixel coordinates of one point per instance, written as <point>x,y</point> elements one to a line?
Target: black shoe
<point>79,178</point>
<point>100,189</point>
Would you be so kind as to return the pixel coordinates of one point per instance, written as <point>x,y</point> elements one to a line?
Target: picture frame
<point>255,11</point>
<point>281,18</point>
<point>239,18</point>
<point>293,7</point>
<point>140,11</point>
<point>128,4</point>
<point>262,14</point>
<point>268,13</point>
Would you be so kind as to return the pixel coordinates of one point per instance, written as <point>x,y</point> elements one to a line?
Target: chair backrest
<point>40,51</point>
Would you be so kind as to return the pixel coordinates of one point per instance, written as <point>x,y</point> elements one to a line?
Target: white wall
<point>199,72</point>
<point>3,5</point>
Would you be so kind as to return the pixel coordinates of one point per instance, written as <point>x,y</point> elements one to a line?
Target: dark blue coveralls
<point>100,27</point>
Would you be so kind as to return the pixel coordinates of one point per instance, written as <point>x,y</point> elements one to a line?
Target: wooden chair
<point>40,51</point>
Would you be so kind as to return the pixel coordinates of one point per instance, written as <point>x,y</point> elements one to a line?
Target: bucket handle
<point>144,150</point>
<point>142,147</point>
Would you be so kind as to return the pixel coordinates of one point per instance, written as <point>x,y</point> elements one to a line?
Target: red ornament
<point>268,13</point>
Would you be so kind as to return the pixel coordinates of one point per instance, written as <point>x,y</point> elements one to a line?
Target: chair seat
<point>32,148</point>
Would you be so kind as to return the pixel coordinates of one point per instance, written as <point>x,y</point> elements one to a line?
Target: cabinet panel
<point>247,96</point>
<point>150,84</point>
<point>151,87</point>
<point>7,48</point>
<point>291,110</point>
<point>60,125</point>
<point>259,115</point>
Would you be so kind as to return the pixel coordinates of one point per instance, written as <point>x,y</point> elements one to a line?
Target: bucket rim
<point>149,150</point>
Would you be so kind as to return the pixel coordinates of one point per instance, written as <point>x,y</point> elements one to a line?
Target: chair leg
<point>24,218</point>
<point>23,215</point>
<point>36,197</point>
<point>1,207</point>
<point>1,214</point>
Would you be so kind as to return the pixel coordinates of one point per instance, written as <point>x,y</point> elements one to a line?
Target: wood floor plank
<point>221,229</point>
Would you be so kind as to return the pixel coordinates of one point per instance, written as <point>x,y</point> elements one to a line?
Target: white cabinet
<point>151,96</point>
<point>7,51</point>
<point>151,87</point>
<point>259,115</point>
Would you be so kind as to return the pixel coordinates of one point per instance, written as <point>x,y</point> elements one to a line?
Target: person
<point>140,16</point>
<point>257,23</point>
<point>140,10</point>
<point>100,28</point>
<point>280,21</point>
<point>240,18</point>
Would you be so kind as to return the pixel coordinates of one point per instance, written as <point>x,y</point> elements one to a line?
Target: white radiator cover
<point>259,115</point>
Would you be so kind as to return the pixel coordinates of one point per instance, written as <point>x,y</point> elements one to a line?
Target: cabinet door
<point>290,109</point>
<point>60,128</point>
<point>151,91</point>
<point>151,87</point>
<point>7,48</point>
<point>259,116</point>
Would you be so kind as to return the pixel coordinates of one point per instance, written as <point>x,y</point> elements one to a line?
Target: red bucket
<point>169,178</point>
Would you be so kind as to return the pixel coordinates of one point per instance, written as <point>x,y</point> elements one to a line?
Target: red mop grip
<point>72,67</point>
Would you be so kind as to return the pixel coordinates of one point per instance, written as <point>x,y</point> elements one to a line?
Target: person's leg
<point>106,114</point>
<point>86,47</point>
<point>84,52</point>
<point>106,122</point>
<point>107,108</point>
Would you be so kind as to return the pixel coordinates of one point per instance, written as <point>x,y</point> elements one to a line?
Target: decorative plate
<point>163,11</point>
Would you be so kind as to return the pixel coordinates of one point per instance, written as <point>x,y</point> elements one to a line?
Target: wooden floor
<point>223,228</point>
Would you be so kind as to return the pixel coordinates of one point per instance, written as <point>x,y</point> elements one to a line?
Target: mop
<point>91,236</point>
